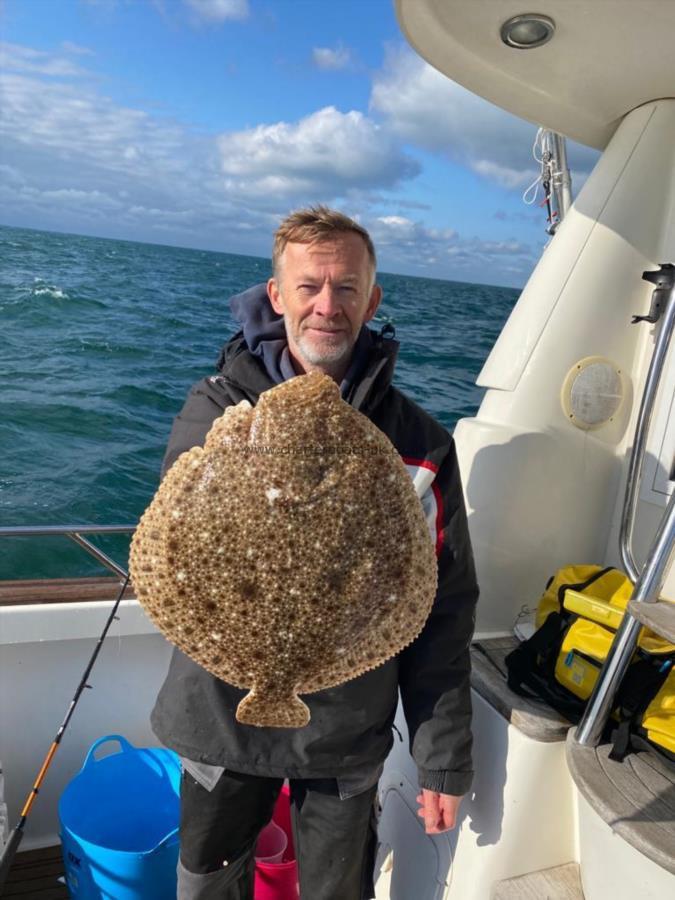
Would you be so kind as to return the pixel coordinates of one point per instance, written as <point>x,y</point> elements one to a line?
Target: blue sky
<point>201,123</point>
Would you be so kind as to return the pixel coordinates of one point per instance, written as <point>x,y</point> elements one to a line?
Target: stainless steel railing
<point>75,533</point>
<point>649,581</point>
<point>647,590</point>
<point>656,367</point>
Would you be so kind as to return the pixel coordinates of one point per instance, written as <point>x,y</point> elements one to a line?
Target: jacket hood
<point>264,337</point>
<point>263,330</point>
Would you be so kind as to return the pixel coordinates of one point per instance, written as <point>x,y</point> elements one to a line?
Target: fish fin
<point>267,710</point>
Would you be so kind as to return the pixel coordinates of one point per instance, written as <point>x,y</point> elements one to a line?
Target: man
<point>311,315</point>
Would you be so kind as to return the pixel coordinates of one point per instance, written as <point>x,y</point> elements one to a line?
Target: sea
<point>100,341</point>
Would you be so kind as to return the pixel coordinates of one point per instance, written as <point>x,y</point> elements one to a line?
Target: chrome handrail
<point>33,530</point>
<point>647,590</point>
<point>649,581</point>
<point>633,479</point>
<point>74,533</point>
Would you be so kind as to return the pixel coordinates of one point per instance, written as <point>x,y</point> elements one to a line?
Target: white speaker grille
<point>592,392</point>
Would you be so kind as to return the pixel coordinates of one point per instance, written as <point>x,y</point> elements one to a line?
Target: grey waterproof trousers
<point>335,840</point>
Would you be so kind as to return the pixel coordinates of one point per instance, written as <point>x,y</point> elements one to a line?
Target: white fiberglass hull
<point>44,650</point>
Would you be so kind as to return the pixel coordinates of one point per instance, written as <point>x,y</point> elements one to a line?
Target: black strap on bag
<point>531,666</point>
<point>644,678</point>
<point>526,658</point>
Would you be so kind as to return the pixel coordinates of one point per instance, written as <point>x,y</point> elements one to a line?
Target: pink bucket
<point>279,881</point>
<point>272,843</point>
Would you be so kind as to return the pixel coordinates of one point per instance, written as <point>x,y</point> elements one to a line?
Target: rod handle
<point>8,854</point>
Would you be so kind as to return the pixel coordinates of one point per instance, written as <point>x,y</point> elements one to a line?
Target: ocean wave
<point>42,289</point>
<point>45,289</point>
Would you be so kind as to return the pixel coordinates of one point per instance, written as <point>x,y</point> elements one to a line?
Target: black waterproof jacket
<point>350,732</point>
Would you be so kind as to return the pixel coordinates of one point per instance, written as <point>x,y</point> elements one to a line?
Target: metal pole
<point>98,555</point>
<point>75,532</point>
<point>647,589</point>
<point>37,530</point>
<point>644,419</point>
<point>562,180</point>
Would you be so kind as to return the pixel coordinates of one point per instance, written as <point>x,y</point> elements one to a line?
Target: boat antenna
<point>550,152</point>
<point>16,835</point>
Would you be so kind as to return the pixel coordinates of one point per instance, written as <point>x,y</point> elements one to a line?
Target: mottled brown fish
<point>290,554</point>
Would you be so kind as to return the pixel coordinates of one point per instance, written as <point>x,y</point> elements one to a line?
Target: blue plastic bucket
<point>119,824</point>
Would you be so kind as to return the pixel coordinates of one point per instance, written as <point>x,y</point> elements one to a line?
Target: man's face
<point>325,295</point>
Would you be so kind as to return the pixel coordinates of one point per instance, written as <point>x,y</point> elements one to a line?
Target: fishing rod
<point>16,835</point>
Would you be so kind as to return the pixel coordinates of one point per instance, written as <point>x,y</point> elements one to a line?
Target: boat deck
<point>532,717</point>
<point>35,876</point>
<point>635,797</point>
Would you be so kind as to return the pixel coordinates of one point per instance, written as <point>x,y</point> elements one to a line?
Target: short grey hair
<point>316,224</point>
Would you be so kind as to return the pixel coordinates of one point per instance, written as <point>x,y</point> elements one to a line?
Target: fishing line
<point>16,835</point>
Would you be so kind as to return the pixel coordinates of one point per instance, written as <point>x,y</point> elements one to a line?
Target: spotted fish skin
<point>290,553</point>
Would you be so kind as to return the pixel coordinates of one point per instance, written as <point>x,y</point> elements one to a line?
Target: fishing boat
<point>570,459</point>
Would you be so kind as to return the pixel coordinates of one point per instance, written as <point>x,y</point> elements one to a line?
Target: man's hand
<point>439,811</point>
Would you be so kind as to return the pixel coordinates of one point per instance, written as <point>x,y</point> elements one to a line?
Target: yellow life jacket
<point>577,618</point>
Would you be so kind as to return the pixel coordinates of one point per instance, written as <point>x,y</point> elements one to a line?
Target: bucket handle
<point>125,747</point>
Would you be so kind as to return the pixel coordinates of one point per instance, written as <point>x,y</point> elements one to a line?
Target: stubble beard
<point>326,355</point>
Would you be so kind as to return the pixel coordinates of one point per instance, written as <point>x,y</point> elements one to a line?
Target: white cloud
<point>17,58</point>
<point>74,159</point>
<point>72,155</point>
<point>219,10</point>
<point>81,130</point>
<point>423,107</point>
<point>399,229</point>
<point>331,58</point>
<point>504,175</point>
<point>91,206</point>
<point>10,175</point>
<point>76,122</point>
<point>76,49</point>
<point>326,153</point>
<point>400,240</point>
<point>97,199</point>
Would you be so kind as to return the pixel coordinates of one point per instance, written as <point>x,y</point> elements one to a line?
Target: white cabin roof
<point>606,57</point>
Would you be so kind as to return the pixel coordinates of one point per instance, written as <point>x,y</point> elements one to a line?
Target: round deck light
<point>527,31</point>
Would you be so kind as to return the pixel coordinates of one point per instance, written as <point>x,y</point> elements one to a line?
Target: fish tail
<point>271,710</point>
